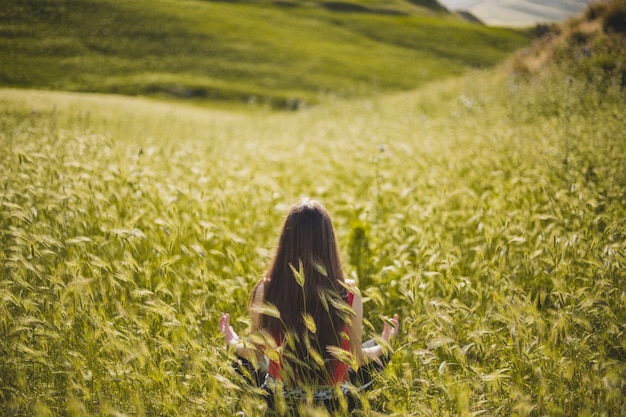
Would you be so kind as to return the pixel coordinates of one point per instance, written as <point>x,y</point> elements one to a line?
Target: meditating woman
<point>306,320</point>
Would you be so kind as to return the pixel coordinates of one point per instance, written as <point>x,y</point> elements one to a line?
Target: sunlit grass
<point>491,215</point>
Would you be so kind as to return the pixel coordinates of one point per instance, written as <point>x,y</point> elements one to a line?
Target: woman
<point>306,319</point>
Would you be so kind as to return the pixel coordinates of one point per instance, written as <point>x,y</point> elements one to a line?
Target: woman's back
<point>306,318</point>
<point>305,284</point>
<point>335,373</point>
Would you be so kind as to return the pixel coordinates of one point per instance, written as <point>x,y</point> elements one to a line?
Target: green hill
<point>281,53</point>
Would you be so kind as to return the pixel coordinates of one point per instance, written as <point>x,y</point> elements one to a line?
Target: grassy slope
<point>236,51</point>
<point>488,210</point>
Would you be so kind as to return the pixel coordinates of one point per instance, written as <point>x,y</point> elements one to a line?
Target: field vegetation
<point>277,54</point>
<point>488,210</point>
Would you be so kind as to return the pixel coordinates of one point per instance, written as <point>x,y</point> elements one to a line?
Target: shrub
<point>615,17</point>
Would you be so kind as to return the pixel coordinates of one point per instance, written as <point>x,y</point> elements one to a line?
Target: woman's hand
<point>390,332</point>
<point>227,330</point>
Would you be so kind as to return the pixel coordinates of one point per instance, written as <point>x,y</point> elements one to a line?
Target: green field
<point>259,53</point>
<point>487,209</point>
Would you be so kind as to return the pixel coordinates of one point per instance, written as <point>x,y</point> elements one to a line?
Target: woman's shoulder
<point>262,284</point>
<point>354,295</point>
<point>258,292</point>
<point>351,286</point>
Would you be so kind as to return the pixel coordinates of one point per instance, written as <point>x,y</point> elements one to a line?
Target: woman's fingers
<point>394,329</point>
<point>389,332</point>
<point>224,322</point>
<point>227,330</point>
<point>386,332</point>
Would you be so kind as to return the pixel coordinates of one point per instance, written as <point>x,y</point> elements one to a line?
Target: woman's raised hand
<point>227,330</point>
<point>390,332</point>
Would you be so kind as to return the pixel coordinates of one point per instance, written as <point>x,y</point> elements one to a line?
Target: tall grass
<point>502,246</point>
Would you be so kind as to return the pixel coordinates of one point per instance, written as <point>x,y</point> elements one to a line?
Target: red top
<point>340,371</point>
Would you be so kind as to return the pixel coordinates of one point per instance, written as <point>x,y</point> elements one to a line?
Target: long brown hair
<point>305,282</point>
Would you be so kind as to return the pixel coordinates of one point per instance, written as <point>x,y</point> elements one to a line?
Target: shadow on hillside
<point>468,17</point>
<point>339,6</point>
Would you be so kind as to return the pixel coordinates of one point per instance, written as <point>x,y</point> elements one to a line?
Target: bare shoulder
<point>259,291</point>
<point>352,287</point>
<point>357,302</point>
<point>256,301</point>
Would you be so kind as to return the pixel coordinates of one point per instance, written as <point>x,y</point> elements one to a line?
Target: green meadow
<point>487,208</point>
<point>277,54</point>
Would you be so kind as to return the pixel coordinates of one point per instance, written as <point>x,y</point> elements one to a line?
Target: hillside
<point>278,53</point>
<point>589,47</point>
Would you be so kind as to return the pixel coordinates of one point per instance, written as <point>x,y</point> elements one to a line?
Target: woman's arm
<point>373,353</point>
<point>243,349</point>
<point>355,331</point>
